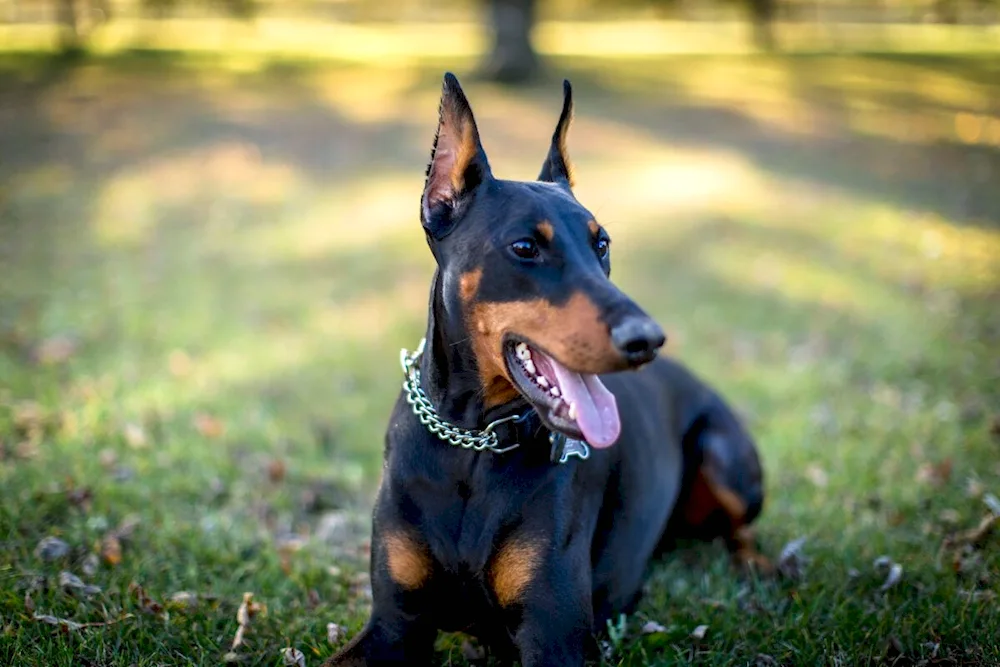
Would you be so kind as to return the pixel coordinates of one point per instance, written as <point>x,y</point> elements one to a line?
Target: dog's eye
<point>525,248</point>
<point>603,247</point>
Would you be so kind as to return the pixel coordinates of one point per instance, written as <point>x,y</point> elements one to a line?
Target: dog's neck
<point>448,369</point>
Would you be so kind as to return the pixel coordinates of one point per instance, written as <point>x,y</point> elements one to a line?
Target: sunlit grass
<point>237,257</point>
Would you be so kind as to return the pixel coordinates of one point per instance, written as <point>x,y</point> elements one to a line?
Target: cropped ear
<point>557,167</point>
<point>458,163</point>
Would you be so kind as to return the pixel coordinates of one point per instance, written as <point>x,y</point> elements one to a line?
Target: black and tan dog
<point>527,482</point>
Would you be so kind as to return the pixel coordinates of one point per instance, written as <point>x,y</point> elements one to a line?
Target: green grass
<point>206,275</point>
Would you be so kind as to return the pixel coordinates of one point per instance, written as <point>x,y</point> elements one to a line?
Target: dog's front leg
<point>400,630</point>
<point>548,600</point>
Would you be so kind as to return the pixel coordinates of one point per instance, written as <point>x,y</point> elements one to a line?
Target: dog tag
<point>564,448</point>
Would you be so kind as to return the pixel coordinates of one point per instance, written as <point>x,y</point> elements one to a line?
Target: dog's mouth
<point>576,404</point>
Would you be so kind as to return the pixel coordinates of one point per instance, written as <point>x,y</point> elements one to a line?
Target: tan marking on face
<point>572,333</point>
<point>409,564</point>
<point>513,568</point>
<point>468,284</point>
<point>594,227</point>
<point>545,229</point>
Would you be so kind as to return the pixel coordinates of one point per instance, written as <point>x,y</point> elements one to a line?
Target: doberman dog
<point>527,482</point>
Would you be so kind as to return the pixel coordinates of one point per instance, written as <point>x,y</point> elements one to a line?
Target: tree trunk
<point>512,58</point>
<point>762,19</point>
<point>69,29</point>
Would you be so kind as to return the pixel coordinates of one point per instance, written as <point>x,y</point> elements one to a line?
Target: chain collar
<point>563,448</point>
<point>485,440</point>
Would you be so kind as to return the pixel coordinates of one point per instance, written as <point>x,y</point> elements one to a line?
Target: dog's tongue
<point>596,408</point>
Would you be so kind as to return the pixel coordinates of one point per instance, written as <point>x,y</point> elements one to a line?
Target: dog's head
<point>524,272</point>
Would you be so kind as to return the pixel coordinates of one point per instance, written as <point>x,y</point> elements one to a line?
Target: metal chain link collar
<point>485,440</point>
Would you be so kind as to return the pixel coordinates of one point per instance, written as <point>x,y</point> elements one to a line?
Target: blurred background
<point>210,255</point>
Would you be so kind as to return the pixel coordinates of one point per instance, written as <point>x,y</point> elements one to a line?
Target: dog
<point>541,452</point>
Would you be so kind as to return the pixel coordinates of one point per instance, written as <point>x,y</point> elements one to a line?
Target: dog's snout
<point>638,339</point>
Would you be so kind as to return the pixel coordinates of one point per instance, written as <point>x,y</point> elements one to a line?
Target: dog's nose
<point>638,339</point>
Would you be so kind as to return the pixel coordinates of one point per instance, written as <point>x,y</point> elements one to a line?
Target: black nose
<point>638,339</point>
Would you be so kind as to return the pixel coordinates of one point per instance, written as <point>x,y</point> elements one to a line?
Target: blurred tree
<point>512,58</point>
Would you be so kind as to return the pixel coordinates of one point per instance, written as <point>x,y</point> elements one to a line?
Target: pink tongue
<point>596,408</point>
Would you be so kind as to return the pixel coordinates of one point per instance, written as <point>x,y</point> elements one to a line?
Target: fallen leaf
<point>791,561</point>
<point>817,476</point>
<point>993,503</point>
<point>699,632</point>
<point>935,474</point>
<point>652,628</point>
<point>230,657</point>
<point>147,604</point>
<point>893,578</point>
<point>70,582</point>
<point>184,600</point>
<point>90,565</point>
<point>179,363</point>
<point>292,657</point>
<point>248,609</point>
<point>334,633</point>
<point>51,548</point>
<point>882,562</point>
<point>472,652</point>
<point>29,604</point>
<point>312,598</point>
<point>111,549</point>
<point>978,596</point>
<point>69,625</point>
<point>135,436</point>
<point>80,498</point>
<point>208,426</point>
<point>54,350</point>
<point>276,471</point>
<point>107,457</point>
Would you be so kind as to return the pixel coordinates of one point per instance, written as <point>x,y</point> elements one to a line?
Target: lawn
<point>207,272</point>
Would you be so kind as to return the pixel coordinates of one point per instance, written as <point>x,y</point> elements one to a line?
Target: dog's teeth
<point>529,366</point>
<point>523,353</point>
<point>542,381</point>
<point>572,411</point>
<point>555,391</point>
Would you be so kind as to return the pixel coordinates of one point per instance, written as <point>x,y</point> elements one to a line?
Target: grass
<point>207,274</point>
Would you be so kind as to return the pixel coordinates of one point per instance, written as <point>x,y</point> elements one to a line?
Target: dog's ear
<point>458,163</point>
<point>557,167</point>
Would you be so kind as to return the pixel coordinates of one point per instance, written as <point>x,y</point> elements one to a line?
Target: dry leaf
<point>135,436</point>
<point>699,632</point>
<point>791,561</point>
<point>817,476</point>
<point>179,363</point>
<point>652,628</point>
<point>71,582</point>
<point>936,474</point>
<point>111,549</point>
<point>248,609</point>
<point>276,471</point>
<point>978,596</point>
<point>208,426</point>
<point>69,625</point>
<point>184,599</point>
<point>292,657</point>
<point>51,548</point>
<point>90,565</point>
<point>993,503</point>
<point>893,578</point>
<point>147,604</point>
<point>29,604</point>
<point>54,350</point>
<point>472,652</point>
<point>334,633</point>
